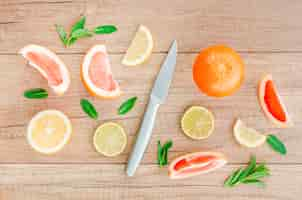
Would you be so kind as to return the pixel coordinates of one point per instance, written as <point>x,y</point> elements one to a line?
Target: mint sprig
<point>78,31</point>
<point>249,175</point>
<point>276,144</point>
<point>162,152</point>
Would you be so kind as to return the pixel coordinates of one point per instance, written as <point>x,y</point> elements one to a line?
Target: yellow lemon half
<point>197,122</point>
<point>110,139</point>
<point>48,131</point>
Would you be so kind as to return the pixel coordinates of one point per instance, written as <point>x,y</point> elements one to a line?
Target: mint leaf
<point>249,168</point>
<point>276,144</point>
<point>105,29</point>
<point>62,33</point>
<point>78,25</point>
<point>127,106</point>
<point>254,181</point>
<point>162,153</point>
<point>89,109</point>
<point>36,93</point>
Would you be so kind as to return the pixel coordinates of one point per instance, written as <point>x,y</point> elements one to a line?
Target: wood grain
<point>266,33</point>
<point>245,25</point>
<point>15,111</point>
<point>77,182</point>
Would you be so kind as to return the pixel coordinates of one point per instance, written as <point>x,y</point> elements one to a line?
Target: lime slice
<point>247,136</point>
<point>110,139</point>
<point>140,48</point>
<point>48,131</point>
<point>197,122</point>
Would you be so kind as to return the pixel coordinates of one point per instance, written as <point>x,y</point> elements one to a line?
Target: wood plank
<point>64,182</point>
<point>15,111</point>
<point>244,25</point>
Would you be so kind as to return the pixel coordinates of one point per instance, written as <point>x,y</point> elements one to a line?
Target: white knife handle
<point>143,137</point>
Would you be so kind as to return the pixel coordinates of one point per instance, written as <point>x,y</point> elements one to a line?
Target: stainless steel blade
<point>164,77</point>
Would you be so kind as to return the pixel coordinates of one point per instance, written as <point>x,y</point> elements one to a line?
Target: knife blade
<point>158,95</point>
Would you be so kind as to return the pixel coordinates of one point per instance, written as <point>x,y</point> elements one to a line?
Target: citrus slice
<point>96,74</point>
<point>140,48</point>
<point>110,139</point>
<point>48,131</point>
<point>271,103</point>
<point>247,136</point>
<point>195,163</point>
<point>49,65</point>
<point>197,122</point>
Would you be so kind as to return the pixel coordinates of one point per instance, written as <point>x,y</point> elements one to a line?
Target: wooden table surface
<point>267,34</point>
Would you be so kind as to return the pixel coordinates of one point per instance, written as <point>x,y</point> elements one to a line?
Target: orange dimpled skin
<point>218,71</point>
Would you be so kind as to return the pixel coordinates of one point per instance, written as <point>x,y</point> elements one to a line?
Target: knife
<point>157,97</point>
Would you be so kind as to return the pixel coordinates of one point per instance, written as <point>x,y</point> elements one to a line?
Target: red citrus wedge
<point>195,163</point>
<point>96,74</point>
<point>49,65</point>
<point>271,103</point>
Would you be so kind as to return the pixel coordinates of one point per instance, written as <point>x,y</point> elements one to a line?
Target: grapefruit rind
<point>219,161</point>
<point>268,114</point>
<point>58,89</point>
<point>65,140</point>
<point>89,85</point>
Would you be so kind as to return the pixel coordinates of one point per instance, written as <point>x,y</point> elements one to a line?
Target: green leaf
<point>127,106</point>
<point>276,144</point>
<point>62,33</point>
<point>236,176</point>
<point>36,93</point>
<point>159,153</point>
<point>250,168</point>
<point>257,175</point>
<point>166,148</point>
<point>232,179</point>
<point>105,29</point>
<point>261,167</point>
<point>162,153</point>
<point>80,33</point>
<point>254,181</point>
<point>78,25</point>
<point>89,109</point>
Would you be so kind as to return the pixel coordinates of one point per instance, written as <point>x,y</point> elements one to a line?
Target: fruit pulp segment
<point>48,65</point>
<point>49,131</point>
<point>273,102</point>
<point>183,163</point>
<point>100,73</point>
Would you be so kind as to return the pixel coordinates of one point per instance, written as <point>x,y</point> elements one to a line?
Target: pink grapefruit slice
<point>195,164</point>
<point>50,66</point>
<point>271,103</point>
<point>96,74</point>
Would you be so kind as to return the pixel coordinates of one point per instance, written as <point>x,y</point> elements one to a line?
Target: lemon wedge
<point>247,136</point>
<point>140,48</point>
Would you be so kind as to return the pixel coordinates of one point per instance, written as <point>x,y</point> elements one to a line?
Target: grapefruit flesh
<point>100,74</point>
<point>96,74</point>
<point>49,65</point>
<point>195,164</point>
<point>271,103</point>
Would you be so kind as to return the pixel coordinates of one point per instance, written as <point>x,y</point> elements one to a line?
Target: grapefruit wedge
<point>49,65</point>
<point>271,103</point>
<point>96,74</point>
<point>195,163</point>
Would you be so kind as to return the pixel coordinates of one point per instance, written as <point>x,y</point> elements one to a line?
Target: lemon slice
<point>48,131</point>
<point>197,123</point>
<point>247,136</point>
<point>110,139</point>
<point>140,48</point>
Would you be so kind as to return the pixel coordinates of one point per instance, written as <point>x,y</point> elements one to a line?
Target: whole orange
<point>218,71</point>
